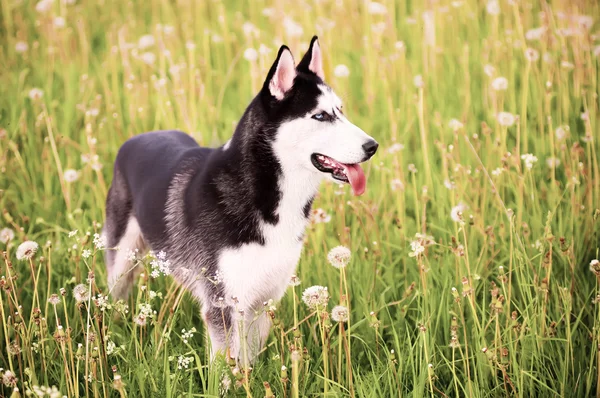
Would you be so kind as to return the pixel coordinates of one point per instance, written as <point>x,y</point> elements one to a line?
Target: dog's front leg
<point>255,329</point>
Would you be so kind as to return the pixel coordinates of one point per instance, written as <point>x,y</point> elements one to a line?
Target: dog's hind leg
<point>123,236</point>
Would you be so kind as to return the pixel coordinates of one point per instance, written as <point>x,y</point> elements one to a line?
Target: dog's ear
<point>313,59</point>
<point>281,75</point>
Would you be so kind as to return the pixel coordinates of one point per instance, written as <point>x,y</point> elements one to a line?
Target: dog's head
<point>312,132</point>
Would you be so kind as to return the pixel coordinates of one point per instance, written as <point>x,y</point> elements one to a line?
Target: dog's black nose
<point>370,147</point>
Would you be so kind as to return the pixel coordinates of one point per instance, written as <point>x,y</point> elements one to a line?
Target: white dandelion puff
<point>418,81</point>
<point>315,297</point>
<point>251,54</point>
<point>21,47</point>
<point>375,8</point>
<point>553,162</point>
<point>506,119</point>
<point>6,235</point>
<point>148,58</point>
<point>341,71</point>
<point>81,293</point>
<point>292,28</point>
<point>489,70</point>
<point>561,132</point>
<point>27,250</point>
<point>339,256</point>
<point>500,83</point>
<point>396,185</point>
<point>71,175</point>
<point>36,94</point>
<point>339,313</point>
<point>493,7</point>
<point>532,55</point>
<point>145,42</point>
<point>416,248</point>
<point>455,124</point>
<point>456,212</point>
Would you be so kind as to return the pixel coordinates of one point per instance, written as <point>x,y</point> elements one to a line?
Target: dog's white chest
<point>255,273</point>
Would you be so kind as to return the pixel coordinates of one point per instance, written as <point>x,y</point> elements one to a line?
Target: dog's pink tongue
<point>357,179</point>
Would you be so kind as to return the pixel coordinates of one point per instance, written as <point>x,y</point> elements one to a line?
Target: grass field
<point>472,269</point>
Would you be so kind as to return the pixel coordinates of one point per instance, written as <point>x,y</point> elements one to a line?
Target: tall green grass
<point>499,300</point>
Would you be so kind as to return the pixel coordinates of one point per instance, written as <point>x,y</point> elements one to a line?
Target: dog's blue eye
<point>323,116</point>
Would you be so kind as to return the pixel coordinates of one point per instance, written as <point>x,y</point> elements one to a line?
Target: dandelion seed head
<point>341,71</point>
<point>339,313</point>
<point>145,42</point>
<point>71,175</point>
<point>251,54</point>
<point>81,293</point>
<point>27,250</point>
<point>315,297</point>
<point>339,256</point>
<point>506,119</point>
<point>500,83</point>
<point>36,94</point>
<point>375,8</point>
<point>6,235</point>
<point>21,47</point>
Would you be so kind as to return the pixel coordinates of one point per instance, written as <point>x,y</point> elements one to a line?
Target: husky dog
<point>230,220</point>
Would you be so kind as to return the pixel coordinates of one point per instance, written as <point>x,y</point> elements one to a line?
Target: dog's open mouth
<point>349,173</point>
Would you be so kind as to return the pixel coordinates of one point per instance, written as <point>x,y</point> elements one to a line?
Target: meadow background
<point>472,269</point>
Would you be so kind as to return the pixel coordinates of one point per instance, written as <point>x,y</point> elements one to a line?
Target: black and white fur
<point>231,219</point>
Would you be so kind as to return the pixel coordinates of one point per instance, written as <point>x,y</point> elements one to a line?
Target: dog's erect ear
<point>281,75</point>
<point>313,59</point>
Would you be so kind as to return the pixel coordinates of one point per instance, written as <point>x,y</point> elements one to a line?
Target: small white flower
<point>489,70</point>
<point>412,168</point>
<point>418,81</point>
<point>26,250</point>
<point>497,171</point>
<point>532,55</point>
<point>44,6</point>
<point>456,212</point>
<point>250,29</point>
<point>500,83</point>
<point>595,266</point>
<point>6,235</point>
<point>315,297</point>
<point>73,233</point>
<point>493,7</point>
<point>59,22</point>
<point>396,184</point>
<point>395,147</point>
<point>400,46</point>
<point>506,119</point>
<point>339,256</point>
<point>561,132</point>
<point>110,347</point>
<point>21,47</point>
<point>87,253</point>
<point>148,58</point>
<point>264,50</point>
<point>71,175</point>
<point>375,8</point>
<point>529,160</point>
<point>292,28</point>
<point>567,64</point>
<point>251,54</point>
<point>146,41</point>
<point>455,124</point>
<point>184,362</point>
<point>553,162</point>
<point>449,184</point>
<point>416,248</point>
<point>99,242</point>
<point>190,45</point>
<point>36,94</point>
<point>339,313</point>
<point>536,33</point>
<point>341,71</point>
